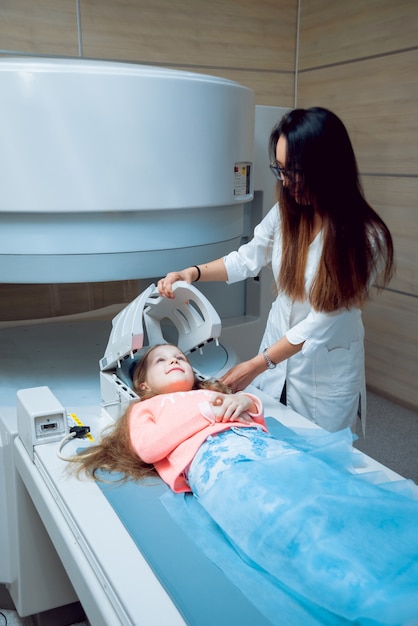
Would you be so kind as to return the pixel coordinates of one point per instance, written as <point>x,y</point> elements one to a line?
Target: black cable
<point>76,432</point>
<point>4,617</point>
<point>80,431</point>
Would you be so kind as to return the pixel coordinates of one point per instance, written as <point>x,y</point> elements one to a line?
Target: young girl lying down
<point>328,536</point>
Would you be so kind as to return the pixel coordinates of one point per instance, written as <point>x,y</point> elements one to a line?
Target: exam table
<point>164,578</point>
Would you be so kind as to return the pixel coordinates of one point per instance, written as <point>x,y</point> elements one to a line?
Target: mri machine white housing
<point>116,171</point>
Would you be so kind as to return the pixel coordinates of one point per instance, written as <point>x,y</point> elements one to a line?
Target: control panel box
<point>41,418</point>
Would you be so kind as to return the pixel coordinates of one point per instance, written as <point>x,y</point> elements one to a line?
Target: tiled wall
<point>358,58</point>
<point>252,42</point>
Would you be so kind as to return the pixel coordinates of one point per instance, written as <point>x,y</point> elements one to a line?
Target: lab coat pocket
<point>340,370</point>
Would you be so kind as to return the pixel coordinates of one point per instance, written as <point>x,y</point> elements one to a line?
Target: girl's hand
<point>231,408</point>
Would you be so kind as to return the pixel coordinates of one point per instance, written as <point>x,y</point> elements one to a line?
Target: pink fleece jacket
<point>168,429</point>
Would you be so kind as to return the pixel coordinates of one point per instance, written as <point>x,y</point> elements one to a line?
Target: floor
<point>9,617</point>
<point>391,436</point>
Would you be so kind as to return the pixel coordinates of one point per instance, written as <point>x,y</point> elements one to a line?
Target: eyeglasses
<point>281,173</point>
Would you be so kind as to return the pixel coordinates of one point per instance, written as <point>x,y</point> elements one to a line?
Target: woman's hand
<point>229,407</point>
<point>165,285</point>
<point>215,270</point>
<point>241,375</point>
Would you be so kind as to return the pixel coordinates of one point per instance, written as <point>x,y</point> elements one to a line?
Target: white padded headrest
<point>141,323</point>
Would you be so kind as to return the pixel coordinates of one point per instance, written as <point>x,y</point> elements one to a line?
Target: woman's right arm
<point>237,265</point>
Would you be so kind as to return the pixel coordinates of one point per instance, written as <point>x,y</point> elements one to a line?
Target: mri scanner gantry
<point>114,171</point>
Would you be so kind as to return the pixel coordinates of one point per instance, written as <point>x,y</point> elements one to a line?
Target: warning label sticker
<point>242,179</point>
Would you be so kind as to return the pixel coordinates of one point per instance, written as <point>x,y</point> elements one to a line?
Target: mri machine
<point>114,171</point>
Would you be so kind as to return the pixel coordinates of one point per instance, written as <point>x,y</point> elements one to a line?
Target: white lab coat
<point>325,381</point>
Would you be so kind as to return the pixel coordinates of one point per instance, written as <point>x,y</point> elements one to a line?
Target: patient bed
<point>126,559</point>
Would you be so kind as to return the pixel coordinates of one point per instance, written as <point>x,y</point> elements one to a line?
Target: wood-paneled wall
<point>360,60</point>
<point>251,43</point>
<point>237,39</point>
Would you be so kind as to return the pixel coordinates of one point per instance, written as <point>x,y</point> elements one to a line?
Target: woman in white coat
<point>326,247</point>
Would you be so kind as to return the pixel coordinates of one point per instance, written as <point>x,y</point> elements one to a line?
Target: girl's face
<point>168,370</point>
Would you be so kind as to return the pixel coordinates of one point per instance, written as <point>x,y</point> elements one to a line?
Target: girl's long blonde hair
<point>114,452</point>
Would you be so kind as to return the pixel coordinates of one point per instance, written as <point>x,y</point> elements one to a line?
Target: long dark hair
<point>357,244</point>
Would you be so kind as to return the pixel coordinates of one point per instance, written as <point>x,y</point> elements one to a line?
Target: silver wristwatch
<point>269,362</point>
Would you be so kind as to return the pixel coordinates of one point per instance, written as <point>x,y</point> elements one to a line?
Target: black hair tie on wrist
<point>198,273</point>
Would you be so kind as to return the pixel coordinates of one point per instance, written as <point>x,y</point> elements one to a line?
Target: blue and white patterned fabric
<point>342,547</point>
<point>220,452</point>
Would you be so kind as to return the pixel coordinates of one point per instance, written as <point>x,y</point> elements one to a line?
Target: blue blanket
<point>208,577</point>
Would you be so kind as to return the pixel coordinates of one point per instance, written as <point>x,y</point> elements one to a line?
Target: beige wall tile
<point>396,200</point>
<point>392,346</point>
<point>270,88</point>
<point>25,302</point>
<point>377,99</point>
<point>239,33</point>
<point>39,27</point>
<point>336,31</point>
